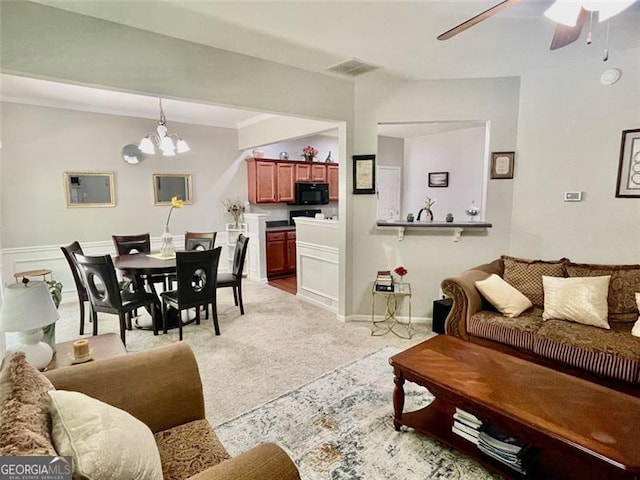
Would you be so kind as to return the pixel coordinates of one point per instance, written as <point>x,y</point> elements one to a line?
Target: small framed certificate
<point>502,164</point>
<point>364,174</point>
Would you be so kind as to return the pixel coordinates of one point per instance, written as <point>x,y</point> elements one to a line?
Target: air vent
<point>352,68</point>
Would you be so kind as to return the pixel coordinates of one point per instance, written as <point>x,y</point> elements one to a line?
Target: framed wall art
<point>628,185</point>
<point>438,179</point>
<point>502,165</point>
<point>364,174</point>
<point>169,185</point>
<point>89,189</point>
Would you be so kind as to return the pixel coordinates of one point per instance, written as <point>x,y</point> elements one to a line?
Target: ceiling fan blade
<point>477,19</point>
<point>564,35</point>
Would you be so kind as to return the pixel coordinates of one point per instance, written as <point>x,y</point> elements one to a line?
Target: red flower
<point>400,271</point>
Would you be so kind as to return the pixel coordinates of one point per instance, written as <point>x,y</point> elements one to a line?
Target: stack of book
<point>510,451</point>
<point>384,281</point>
<point>466,425</point>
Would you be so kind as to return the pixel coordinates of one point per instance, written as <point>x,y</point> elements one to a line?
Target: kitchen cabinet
<point>273,181</point>
<point>333,175</point>
<point>281,253</point>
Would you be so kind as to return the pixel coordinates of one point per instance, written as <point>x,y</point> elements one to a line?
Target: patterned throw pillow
<point>635,331</point>
<point>625,281</point>
<point>25,424</point>
<point>526,275</point>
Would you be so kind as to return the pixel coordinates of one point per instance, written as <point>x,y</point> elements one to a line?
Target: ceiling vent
<point>352,68</point>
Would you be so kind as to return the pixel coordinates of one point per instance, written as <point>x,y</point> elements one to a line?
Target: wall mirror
<point>409,154</point>
<point>169,185</point>
<point>89,189</point>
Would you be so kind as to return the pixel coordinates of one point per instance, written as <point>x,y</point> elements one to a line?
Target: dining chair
<point>83,296</point>
<point>199,240</point>
<point>234,279</point>
<point>138,243</point>
<point>105,295</point>
<point>196,272</point>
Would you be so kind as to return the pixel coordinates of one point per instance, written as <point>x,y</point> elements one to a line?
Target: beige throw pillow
<point>635,331</point>
<point>507,299</point>
<point>104,441</point>
<point>581,300</point>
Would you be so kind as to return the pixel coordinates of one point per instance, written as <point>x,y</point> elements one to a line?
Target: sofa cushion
<point>526,275</point>
<point>625,281</point>
<point>582,300</point>
<point>25,424</point>
<point>189,449</point>
<point>609,353</point>
<point>507,299</point>
<point>104,441</point>
<point>518,332</point>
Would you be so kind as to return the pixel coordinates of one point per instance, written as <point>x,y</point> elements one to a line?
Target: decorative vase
<point>166,248</point>
<point>472,210</point>
<point>449,218</point>
<point>410,217</point>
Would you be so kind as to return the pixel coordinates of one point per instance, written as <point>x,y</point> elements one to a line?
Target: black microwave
<point>311,194</point>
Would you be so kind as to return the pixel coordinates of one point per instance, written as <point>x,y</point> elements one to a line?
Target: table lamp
<point>26,308</point>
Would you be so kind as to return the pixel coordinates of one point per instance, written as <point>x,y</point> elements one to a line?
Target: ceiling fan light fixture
<point>564,11</point>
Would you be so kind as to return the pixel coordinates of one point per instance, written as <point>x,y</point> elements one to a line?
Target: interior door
<point>389,179</point>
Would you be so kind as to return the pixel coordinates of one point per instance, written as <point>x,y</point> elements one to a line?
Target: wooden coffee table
<point>102,346</point>
<point>585,430</point>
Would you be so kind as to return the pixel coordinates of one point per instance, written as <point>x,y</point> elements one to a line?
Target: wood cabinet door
<point>291,251</point>
<point>266,182</point>
<point>319,173</point>
<point>333,175</point>
<point>276,255</point>
<point>303,172</point>
<point>286,181</point>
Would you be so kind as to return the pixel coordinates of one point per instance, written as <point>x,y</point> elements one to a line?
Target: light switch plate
<point>572,196</point>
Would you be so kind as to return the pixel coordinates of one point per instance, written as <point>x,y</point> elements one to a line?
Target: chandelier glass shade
<point>167,143</point>
<point>566,12</point>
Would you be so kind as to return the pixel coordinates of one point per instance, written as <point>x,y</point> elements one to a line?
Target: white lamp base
<point>37,353</point>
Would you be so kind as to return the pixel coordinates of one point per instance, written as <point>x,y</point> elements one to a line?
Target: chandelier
<point>566,11</point>
<point>168,143</point>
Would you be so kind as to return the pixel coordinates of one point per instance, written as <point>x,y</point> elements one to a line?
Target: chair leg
<point>198,314</point>
<point>240,298</point>
<point>123,327</point>
<point>81,317</point>
<point>164,316</point>
<point>235,295</point>
<point>214,315</point>
<point>180,324</point>
<point>95,323</point>
<point>154,319</point>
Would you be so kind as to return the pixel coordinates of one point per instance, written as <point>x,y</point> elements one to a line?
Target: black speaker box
<point>441,309</point>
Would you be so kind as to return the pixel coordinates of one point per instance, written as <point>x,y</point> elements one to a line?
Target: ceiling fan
<point>570,16</point>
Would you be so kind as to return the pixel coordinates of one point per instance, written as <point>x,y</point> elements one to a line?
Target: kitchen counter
<point>284,228</point>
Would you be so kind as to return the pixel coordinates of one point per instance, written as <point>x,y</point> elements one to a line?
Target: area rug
<point>339,426</point>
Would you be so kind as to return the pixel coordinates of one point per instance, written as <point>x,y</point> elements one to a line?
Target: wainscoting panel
<point>317,272</point>
<point>50,257</point>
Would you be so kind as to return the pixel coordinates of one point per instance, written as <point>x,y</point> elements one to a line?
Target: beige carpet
<point>279,344</point>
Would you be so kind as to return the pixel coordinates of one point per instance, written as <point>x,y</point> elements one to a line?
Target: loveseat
<point>608,354</point>
<point>160,388</point>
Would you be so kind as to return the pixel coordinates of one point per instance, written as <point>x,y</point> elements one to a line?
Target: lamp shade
<point>27,307</point>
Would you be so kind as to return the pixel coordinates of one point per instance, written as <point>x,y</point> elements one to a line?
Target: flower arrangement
<point>309,153</point>
<point>429,202</point>
<point>235,208</point>
<point>400,271</point>
<point>175,203</point>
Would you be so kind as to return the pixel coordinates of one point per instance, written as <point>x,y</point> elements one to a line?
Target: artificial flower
<point>175,203</point>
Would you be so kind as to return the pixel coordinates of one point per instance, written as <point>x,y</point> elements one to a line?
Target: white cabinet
<point>232,237</point>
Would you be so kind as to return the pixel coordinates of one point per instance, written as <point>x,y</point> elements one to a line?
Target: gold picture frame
<point>169,185</point>
<point>89,189</point>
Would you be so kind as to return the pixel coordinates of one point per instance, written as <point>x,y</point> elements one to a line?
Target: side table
<point>390,322</point>
<point>101,346</point>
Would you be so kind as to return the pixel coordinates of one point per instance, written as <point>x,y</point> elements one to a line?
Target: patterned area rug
<point>339,426</point>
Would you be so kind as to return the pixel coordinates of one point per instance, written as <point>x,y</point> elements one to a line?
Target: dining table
<point>142,268</point>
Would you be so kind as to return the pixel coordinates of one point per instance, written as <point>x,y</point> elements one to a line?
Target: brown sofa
<point>162,388</point>
<point>609,357</point>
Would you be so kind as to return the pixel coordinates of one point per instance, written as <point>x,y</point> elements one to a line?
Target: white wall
<point>570,128</point>
<point>41,143</point>
<point>430,255</point>
<point>390,151</point>
<point>461,153</point>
